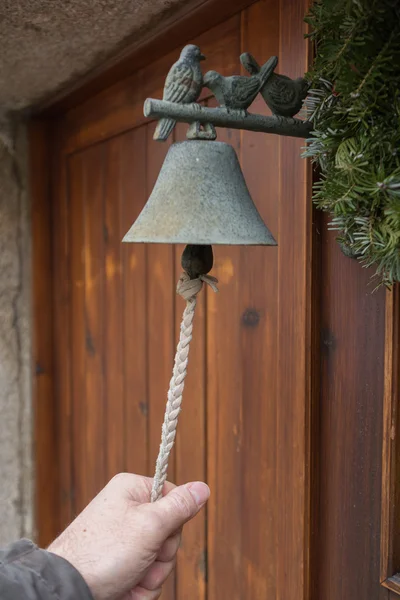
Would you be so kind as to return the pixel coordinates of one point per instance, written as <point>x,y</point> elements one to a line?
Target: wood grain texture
<point>258,279</point>
<point>61,310</point>
<point>78,342</point>
<point>94,395</point>
<point>390,538</point>
<point>294,326</point>
<point>315,383</point>
<point>113,315</point>
<point>47,515</point>
<point>352,353</point>
<point>134,304</point>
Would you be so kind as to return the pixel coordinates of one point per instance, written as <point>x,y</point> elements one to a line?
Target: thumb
<point>179,506</point>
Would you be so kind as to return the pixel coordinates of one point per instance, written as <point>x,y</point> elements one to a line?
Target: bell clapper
<point>197,260</point>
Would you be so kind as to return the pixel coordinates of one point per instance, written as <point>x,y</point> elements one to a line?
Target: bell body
<point>200,197</point>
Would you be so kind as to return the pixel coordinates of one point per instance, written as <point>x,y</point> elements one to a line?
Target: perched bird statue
<point>238,92</point>
<point>283,95</point>
<point>183,85</point>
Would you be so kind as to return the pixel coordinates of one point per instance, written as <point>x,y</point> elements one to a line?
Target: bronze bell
<point>200,197</point>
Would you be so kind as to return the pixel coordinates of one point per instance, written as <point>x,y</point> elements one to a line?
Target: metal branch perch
<point>221,117</point>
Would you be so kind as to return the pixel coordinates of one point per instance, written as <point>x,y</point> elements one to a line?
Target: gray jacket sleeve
<point>28,573</point>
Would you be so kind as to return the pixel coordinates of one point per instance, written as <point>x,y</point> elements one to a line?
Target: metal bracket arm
<point>221,117</point>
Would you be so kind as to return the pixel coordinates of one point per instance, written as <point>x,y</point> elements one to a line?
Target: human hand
<point>125,547</point>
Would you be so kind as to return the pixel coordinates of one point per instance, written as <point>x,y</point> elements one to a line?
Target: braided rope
<point>188,289</point>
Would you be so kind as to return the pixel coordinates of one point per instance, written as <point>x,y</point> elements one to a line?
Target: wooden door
<point>245,421</point>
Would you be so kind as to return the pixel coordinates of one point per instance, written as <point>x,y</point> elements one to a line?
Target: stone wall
<point>16,464</point>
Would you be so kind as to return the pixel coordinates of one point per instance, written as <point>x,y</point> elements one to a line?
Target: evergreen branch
<point>356,134</point>
<point>373,67</point>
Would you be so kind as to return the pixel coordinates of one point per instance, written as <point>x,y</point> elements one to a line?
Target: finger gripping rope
<point>188,289</point>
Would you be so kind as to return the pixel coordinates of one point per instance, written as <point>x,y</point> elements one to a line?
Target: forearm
<point>33,574</point>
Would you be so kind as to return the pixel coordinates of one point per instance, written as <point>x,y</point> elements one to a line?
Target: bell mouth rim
<point>273,243</point>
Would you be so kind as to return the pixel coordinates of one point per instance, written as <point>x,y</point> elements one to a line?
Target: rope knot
<point>189,288</point>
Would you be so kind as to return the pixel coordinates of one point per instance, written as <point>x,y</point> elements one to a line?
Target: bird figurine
<point>238,92</point>
<point>283,95</point>
<point>183,85</point>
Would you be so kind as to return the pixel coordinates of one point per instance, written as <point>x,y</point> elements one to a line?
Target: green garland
<point>354,104</point>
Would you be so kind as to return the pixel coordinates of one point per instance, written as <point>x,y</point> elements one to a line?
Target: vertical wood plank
<point>61,244</point>
<point>160,327</point>
<point>260,157</point>
<point>190,448</point>
<point>390,538</point>
<point>352,354</point>
<point>224,419</point>
<point>395,475</point>
<point>389,442</point>
<point>45,435</point>
<point>294,323</point>
<point>96,349</point>
<point>134,304</point>
<point>113,364</point>
<point>78,342</point>
<point>315,391</point>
